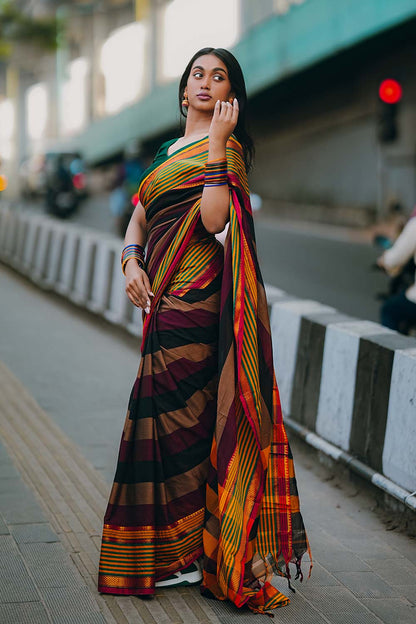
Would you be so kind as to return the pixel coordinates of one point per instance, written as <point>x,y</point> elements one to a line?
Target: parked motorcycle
<point>65,184</point>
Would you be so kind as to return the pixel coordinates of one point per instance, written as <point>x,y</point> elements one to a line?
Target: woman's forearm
<point>215,201</point>
<point>136,233</point>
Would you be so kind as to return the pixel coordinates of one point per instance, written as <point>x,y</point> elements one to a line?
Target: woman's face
<point>208,82</point>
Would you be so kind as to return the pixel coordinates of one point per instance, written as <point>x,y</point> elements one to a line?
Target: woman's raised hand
<point>223,122</point>
<point>138,286</point>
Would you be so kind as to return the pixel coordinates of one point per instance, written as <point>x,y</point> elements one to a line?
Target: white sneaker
<point>192,575</point>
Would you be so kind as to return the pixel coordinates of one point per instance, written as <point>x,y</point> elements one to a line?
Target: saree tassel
<point>310,560</point>
<point>289,576</point>
<point>299,573</point>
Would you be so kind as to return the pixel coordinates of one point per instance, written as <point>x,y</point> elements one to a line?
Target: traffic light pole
<point>381,179</point>
<point>390,94</point>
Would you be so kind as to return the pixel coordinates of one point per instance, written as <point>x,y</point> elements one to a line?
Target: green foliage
<point>17,27</point>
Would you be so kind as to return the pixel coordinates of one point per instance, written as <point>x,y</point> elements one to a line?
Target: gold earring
<point>185,101</point>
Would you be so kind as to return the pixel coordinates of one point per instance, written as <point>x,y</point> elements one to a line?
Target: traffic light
<point>390,93</point>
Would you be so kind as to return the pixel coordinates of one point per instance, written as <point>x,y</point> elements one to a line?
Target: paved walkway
<point>64,384</point>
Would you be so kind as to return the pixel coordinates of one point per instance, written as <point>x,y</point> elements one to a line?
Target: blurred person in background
<point>124,187</point>
<point>197,478</point>
<point>398,312</point>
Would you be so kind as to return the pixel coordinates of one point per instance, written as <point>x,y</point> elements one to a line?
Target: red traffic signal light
<point>390,94</point>
<point>390,91</point>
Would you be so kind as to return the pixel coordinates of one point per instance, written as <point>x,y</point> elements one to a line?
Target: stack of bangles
<point>132,251</point>
<point>216,172</point>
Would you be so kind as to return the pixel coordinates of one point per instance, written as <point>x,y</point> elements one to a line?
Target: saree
<point>205,467</point>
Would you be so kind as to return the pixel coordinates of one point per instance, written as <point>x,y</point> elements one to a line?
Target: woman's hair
<point>238,86</point>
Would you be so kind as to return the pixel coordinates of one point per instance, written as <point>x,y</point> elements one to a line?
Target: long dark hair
<point>236,78</point>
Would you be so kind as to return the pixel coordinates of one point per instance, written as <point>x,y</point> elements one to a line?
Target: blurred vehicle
<point>32,176</point>
<point>65,182</point>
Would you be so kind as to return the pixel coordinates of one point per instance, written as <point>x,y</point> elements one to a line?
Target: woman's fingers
<point>147,285</point>
<point>138,293</point>
<point>235,111</point>
<point>224,120</point>
<point>228,111</point>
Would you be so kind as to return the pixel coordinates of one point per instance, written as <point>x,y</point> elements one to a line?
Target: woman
<point>205,469</point>
<point>398,312</point>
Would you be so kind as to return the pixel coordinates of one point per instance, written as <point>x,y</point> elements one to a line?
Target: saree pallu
<point>205,467</point>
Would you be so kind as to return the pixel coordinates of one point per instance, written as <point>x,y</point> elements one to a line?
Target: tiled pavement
<point>38,579</point>
<point>54,483</point>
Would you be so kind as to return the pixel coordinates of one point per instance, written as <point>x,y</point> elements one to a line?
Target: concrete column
<point>308,368</point>
<point>339,372</point>
<point>399,456</point>
<point>285,326</point>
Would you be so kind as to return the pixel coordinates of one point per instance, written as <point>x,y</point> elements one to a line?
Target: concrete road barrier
<point>54,257</point>
<point>347,386</point>
<point>105,255</point>
<point>399,449</point>
<point>352,384</point>
<point>80,292</point>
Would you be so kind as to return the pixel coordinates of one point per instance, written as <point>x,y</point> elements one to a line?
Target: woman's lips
<point>203,96</point>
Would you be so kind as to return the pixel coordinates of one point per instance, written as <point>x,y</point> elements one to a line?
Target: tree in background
<point>18,27</point>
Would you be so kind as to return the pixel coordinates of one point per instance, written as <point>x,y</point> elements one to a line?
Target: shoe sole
<point>193,578</point>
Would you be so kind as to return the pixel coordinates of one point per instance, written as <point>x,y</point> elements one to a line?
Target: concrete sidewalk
<point>63,396</point>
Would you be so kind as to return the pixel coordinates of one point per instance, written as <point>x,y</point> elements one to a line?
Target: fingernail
<point>147,310</point>
<point>152,294</point>
<point>148,302</point>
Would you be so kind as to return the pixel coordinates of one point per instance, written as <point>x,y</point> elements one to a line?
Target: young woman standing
<point>205,471</point>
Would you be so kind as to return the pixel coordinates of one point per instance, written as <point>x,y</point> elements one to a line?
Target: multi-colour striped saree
<point>205,467</point>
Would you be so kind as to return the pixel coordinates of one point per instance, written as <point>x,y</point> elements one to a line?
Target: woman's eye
<point>218,77</point>
<point>197,74</point>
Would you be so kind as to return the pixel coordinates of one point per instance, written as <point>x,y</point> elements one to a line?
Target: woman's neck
<point>197,125</point>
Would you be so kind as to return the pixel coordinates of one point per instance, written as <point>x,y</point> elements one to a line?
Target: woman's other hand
<point>138,286</point>
<point>223,122</point>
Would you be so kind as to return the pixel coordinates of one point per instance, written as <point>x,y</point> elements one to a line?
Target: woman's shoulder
<point>158,159</point>
<point>163,149</point>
